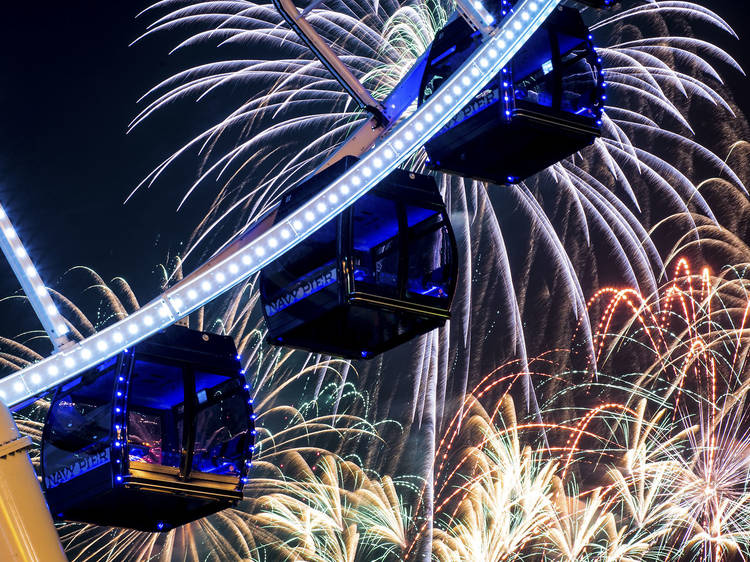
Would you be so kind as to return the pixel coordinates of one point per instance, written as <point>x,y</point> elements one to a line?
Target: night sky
<point>66,165</point>
<point>70,86</point>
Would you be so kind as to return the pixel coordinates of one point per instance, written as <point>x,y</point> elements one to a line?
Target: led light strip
<point>211,280</point>
<point>31,282</point>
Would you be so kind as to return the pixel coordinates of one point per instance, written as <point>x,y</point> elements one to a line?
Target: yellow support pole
<point>27,533</point>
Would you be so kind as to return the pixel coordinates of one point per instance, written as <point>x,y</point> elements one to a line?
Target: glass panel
<point>155,411</point>
<point>579,82</point>
<point>221,425</point>
<point>538,87</point>
<point>430,259</point>
<point>80,426</point>
<point>375,245</point>
<point>533,71</point>
<point>301,272</point>
<point>536,75</point>
<point>417,215</point>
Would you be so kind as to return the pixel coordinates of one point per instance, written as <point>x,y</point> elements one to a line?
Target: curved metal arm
<point>260,245</point>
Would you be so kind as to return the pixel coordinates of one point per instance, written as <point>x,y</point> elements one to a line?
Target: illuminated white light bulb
<point>220,277</point>
<point>192,294</point>
<point>408,135</point>
<point>484,63</point>
<point>517,25</point>
<point>419,127</point>
<point>344,189</point>
<point>133,329</point>
<point>163,312</point>
<point>52,370</point>
<point>51,310</point>
<point>356,180</point>
<point>509,34</point>
<point>18,386</point>
<point>30,271</point>
<point>9,232</point>
<point>377,162</point>
<point>533,7</point>
<point>86,353</point>
<point>457,90</point>
<point>297,224</point>
<point>246,259</point>
<point>259,251</point>
<point>438,108</point>
<point>101,345</point>
<point>309,216</point>
<point>388,153</point>
<point>2,394</point>
<point>333,198</point>
<point>428,117</point>
<point>35,378</point>
<point>206,286</point>
<point>20,252</point>
<point>234,268</point>
<point>69,362</point>
<point>398,145</point>
<point>492,53</point>
<point>474,71</point>
<point>367,172</point>
<point>525,16</point>
<point>285,234</point>
<point>62,329</point>
<point>148,320</point>
<point>478,5</point>
<point>117,337</point>
<point>321,207</point>
<point>466,81</point>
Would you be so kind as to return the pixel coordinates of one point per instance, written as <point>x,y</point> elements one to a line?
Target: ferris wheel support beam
<point>267,241</point>
<point>394,106</point>
<point>31,283</point>
<point>325,54</point>
<point>27,532</point>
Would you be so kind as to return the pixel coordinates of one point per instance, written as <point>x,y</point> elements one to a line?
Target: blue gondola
<point>157,436</point>
<point>545,105</point>
<point>377,275</point>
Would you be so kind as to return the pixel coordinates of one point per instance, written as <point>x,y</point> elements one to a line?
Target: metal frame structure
<point>265,241</point>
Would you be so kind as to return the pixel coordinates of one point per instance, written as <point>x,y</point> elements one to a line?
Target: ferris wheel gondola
<point>152,438</point>
<point>375,276</point>
<point>544,106</point>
